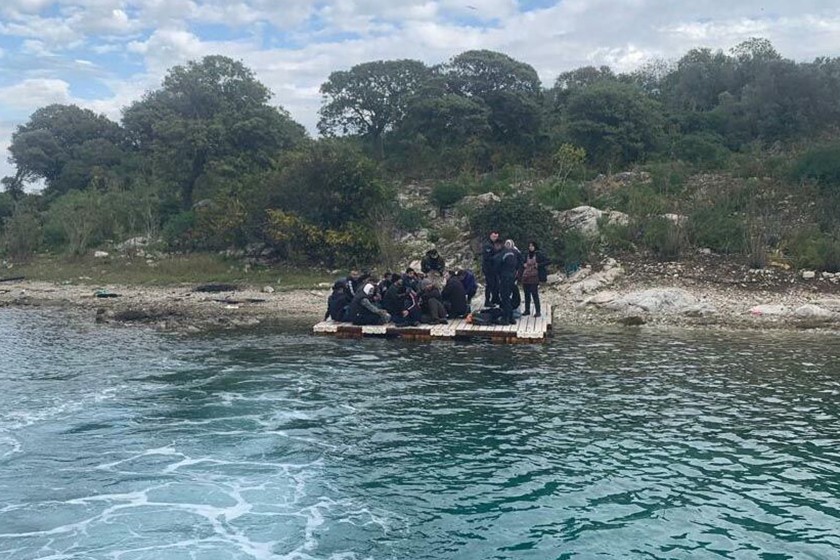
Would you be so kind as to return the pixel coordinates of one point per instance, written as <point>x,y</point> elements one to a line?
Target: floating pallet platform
<point>526,330</point>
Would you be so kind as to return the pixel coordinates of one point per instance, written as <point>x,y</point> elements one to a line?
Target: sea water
<point>128,444</point>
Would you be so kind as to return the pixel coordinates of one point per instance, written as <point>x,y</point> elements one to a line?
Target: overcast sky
<point>103,54</point>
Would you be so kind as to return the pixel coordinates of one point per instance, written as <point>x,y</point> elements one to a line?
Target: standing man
<point>507,266</point>
<point>488,268</point>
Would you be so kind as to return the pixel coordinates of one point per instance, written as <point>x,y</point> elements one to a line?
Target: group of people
<point>411,297</point>
<point>503,265</point>
<point>406,299</point>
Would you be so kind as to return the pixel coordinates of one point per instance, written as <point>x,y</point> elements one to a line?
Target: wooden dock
<point>528,329</point>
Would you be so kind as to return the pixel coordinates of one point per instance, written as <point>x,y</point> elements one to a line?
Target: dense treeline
<point>207,162</point>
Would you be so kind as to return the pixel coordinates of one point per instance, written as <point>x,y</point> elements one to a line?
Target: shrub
<point>822,165</point>
<point>718,229</point>
<point>410,219</point>
<point>665,238</point>
<point>575,248</point>
<point>22,235</point>
<point>78,218</point>
<point>519,218</point>
<point>445,195</point>
<point>178,231</point>
<point>705,150</point>
<point>814,250</point>
<point>560,195</point>
<point>299,240</point>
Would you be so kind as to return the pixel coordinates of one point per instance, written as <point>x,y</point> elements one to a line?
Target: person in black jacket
<point>338,303</point>
<point>455,297</point>
<point>410,316</point>
<point>392,301</point>
<point>488,268</point>
<point>507,265</point>
<point>432,262</point>
<point>430,303</point>
<point>467,278</point>
<point>362,309</point>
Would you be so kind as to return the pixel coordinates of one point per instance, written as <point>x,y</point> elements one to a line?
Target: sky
<point>103,54</point>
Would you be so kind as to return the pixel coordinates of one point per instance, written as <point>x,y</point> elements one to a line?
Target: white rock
<point>268,290</point>
<point>100,255</point>
<point>555,279</point>
<point>584,219</point>
<point>133,243</point>
<point>811,311</point>
<point>769,310</point>
<point>657,300</point>
<point>702,309</point>
<point>705,251</point>
<point>676,219</point>
<point>832,304</point>
<point>596,281</point>
<point>808,274</point>
<point>601,299</point>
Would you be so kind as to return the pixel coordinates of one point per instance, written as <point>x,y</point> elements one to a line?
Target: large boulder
<point>478,201</point>
<point>811,311</point>
<point>655,301</point>
<point>584,219</point>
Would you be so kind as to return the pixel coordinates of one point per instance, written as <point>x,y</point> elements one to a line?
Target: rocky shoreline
<point>700,294</point>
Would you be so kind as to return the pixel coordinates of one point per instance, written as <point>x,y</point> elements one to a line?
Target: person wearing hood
<point>507,265</point>
<point>433,309</point>
<point>515,296</point>
<point>432,262</point>
<point>534,272</point>
<point>392,300</point>
<point>455,297</point>
<point>363,310</point>
<point>338,303</point>
<point>467,278</point>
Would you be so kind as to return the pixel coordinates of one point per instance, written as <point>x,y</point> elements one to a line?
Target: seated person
<point>411,315</point>
<point>430,304</point>
<point>363,310</point>
<point>454,297</point>
<point>469,282</point>
<point>392,300</point>
<point>410,279</point>
<point>338,304</point>
<point>432,262</point>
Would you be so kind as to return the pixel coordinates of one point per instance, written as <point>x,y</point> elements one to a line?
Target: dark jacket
<point>362,307</point>
<point>392,301</point>
<point>487,254</point>
<point>506,263</point>
<point>455,297</point>
<point>337,304</point>
<point>470,284</point>
<point>430,263</point>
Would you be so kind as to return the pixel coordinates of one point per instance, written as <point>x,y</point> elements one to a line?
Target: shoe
<point>443,322</point>
<point>526,313</point>
<point>512,322</point>
<point>537,314</point>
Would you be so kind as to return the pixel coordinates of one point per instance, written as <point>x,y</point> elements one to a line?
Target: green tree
<point>615,123</point>
<point>510,89</point>
<point>370,99</point>
<point>208,115</point>
<point>328,183</point>
<point>65,146</point>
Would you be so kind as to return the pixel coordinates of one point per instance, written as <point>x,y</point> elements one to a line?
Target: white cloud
<point>34,93</point>
<point>158,34</point>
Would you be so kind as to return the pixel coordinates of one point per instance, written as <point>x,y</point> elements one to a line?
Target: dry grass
<point>181,269</point>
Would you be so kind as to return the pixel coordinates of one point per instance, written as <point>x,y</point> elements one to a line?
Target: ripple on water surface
<point>124,444</point>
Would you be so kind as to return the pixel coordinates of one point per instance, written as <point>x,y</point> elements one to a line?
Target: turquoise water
<point>126,444</point>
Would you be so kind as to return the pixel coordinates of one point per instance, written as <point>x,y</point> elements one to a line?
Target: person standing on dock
<point>533,273</point>
<point>488,268</point>
<point>507,266</point>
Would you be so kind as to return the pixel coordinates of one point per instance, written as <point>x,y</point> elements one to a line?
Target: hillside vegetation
<point>733,152</point>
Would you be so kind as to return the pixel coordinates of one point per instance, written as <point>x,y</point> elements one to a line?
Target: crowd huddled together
<point>434,295</point>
